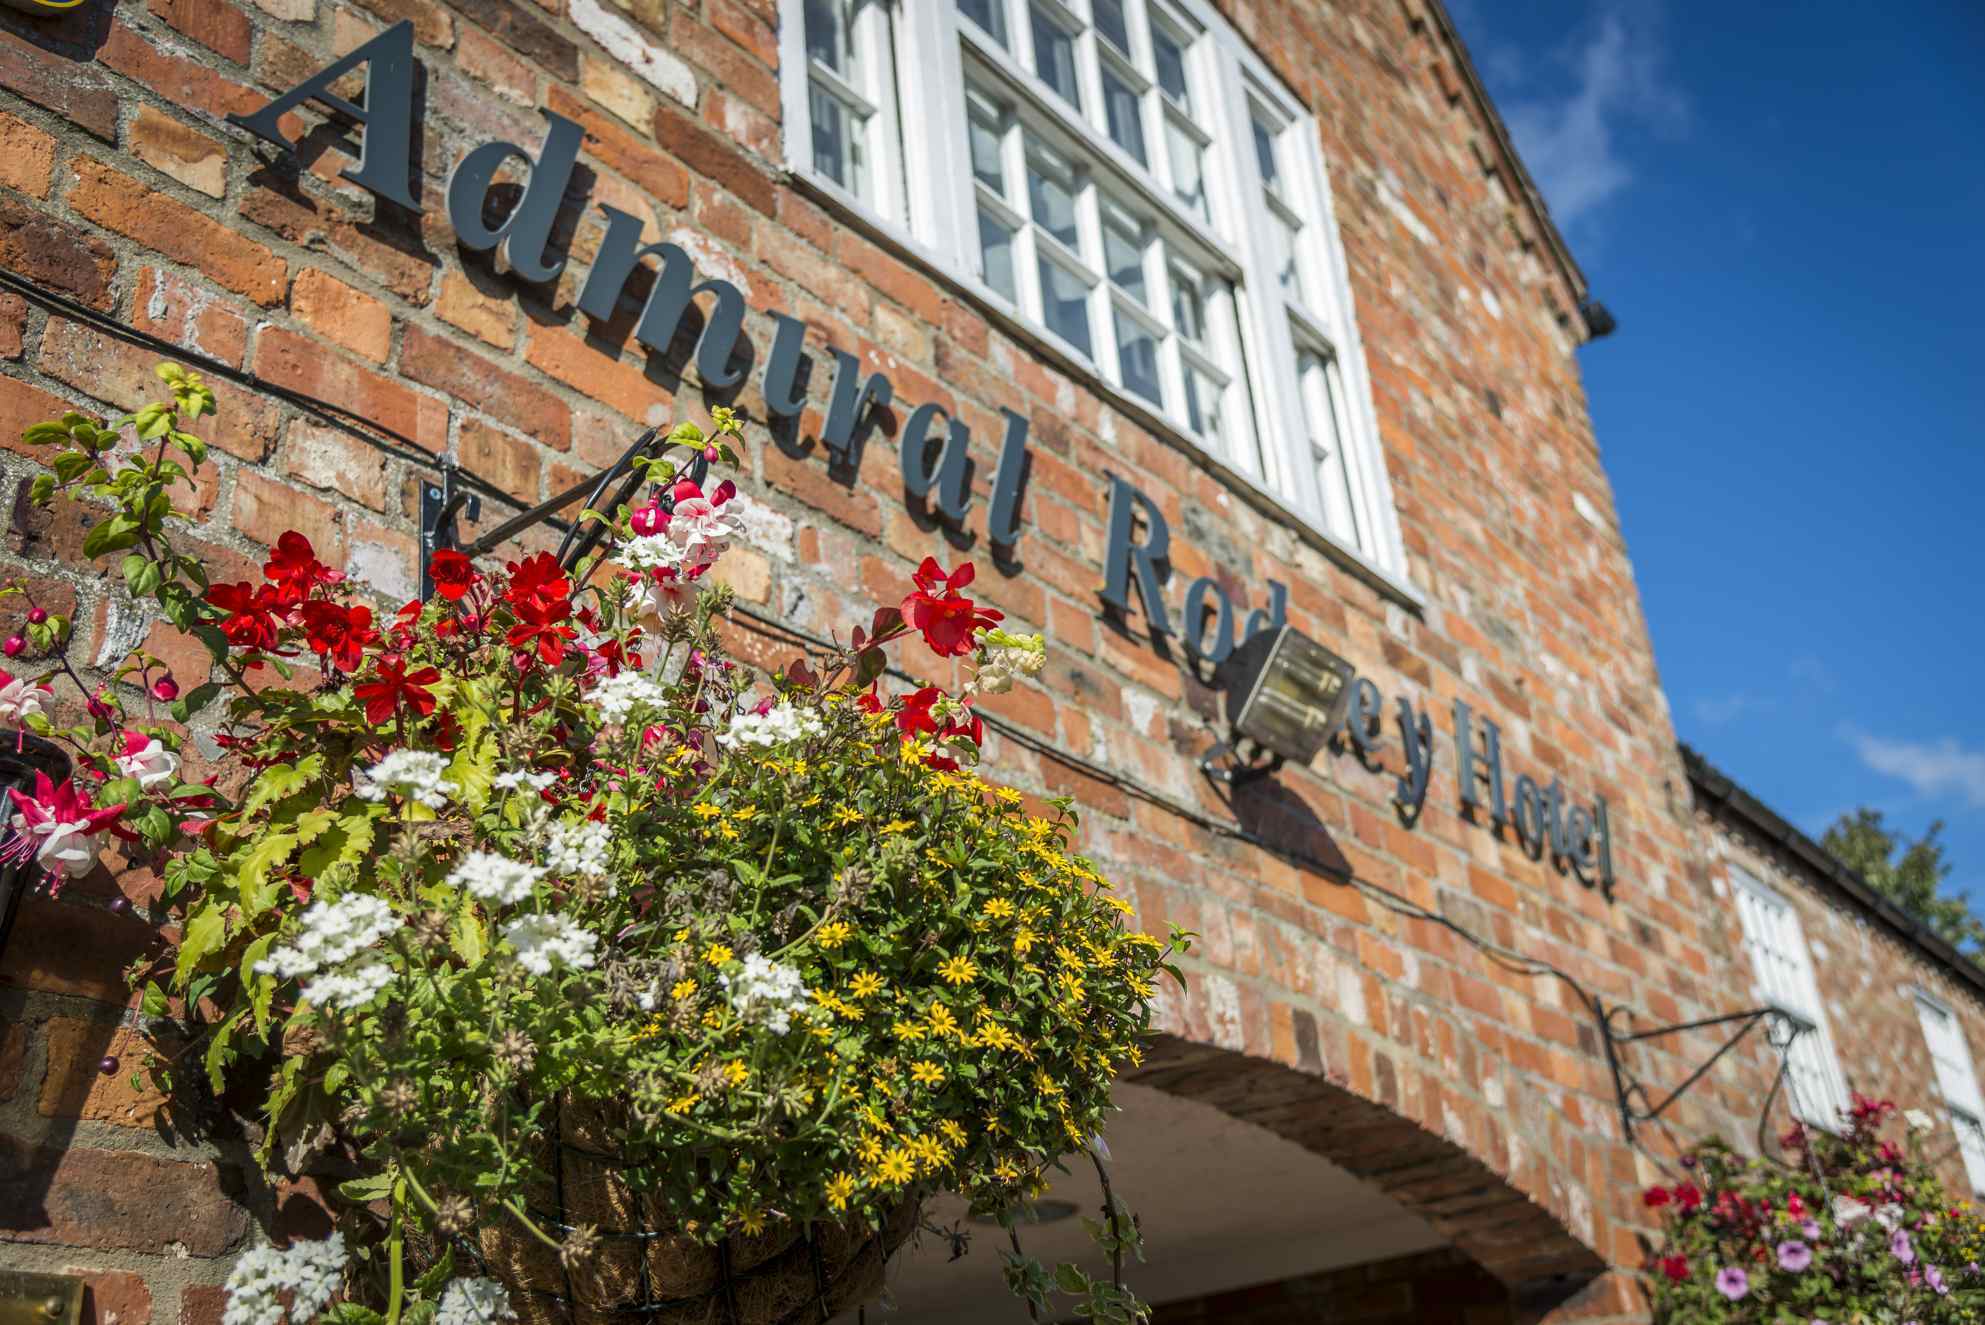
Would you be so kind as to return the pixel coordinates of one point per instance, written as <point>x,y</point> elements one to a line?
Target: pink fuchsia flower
<point>1810,1230</point>
<point>146,760</point>
<point>1935,1278</point>
<point>21,698</point>
<point>1899,1247</point>
<point>55,826</point>
<point>699,526</point>
<point>1733,1283</point>
<point>1794,1256</point>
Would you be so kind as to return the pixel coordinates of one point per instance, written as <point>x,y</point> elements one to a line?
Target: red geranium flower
<point>538,583</point>
<point>1675,1267</point>
<point>338,634</point>
<point>250,622</point>
<point>294,569</point>
<point>1654,1197</point>
<point>453,574</point>
<point>543,628</point>
<point>947,620</point>
<point>1687,1196</point>
<point>397,686</point>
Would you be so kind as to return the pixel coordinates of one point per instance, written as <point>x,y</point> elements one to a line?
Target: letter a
<point>386,121</point>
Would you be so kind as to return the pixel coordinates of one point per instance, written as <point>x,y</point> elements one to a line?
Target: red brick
<point>73,1084</point>
<point>170,305</point>
<point>339,313</point>
<point>115,1199</point>
<point>489,316</point>
<point>180,151</point>
<point>509,463</point>
<point>55,253</point>
<point>712,156</point>
<point>432,24</point>
<point>21,407</point>
<point>486,61</point>
<point>14,1036</point>
<point>27,155</point>
<point>201,1304</point>
<point>756,33</point>
<point>732,66</point>
<point>531,37</point>
<point>72,88</point>
<point>215,24</point>
<point>123,376</point>
<point>114,1297</point>
<point>332,459</point>
<point>655,174</point>
<point>120,203</point>
<point>584,367</point>
<point>323,227</point>
<point>63,947</point>
<point>265,509</point>
<point>531,409</point>
<point>185,83</point>
<point>288,359</point>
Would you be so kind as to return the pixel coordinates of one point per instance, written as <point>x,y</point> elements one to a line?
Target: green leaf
<point>153,1004</point>
<point>253,867</point>
<point>220,1050</point>
<point>351,1313</point>
<point>193,701</point>
<point>372,1187</point>
<point>204,935</point>
<point>261,986</point>
<point>468,939</point>
<point>310,825</point>
<point>431,1283</point>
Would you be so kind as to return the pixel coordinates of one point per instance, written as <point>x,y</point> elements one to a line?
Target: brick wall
<point>123,188</point>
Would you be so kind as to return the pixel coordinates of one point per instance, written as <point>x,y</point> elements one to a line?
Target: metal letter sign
<point>526,232</point>
<point>386,120</point>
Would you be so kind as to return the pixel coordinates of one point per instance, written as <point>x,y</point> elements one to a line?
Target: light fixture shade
<point>1286,692</point>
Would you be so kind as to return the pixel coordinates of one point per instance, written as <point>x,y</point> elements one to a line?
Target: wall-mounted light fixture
<point>21,757</point>
<point>1285,695</point>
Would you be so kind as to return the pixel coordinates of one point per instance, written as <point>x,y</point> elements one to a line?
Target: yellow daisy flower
<point>958,970</point>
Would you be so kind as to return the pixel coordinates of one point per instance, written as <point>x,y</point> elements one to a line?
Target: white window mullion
<point>936,155</point>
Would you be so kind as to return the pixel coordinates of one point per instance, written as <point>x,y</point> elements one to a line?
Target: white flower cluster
<point>619,696</point>
<point>415,774</point>
<point>523,779</point>
<point>1004,659</point>
<point>473,1302</point>
<point>310,1272</point>
<point>646,552</point>
<point>330,934</point>
<point>767,992</point>
<point>546,941</point>
<point>578,848</point>
<point>350,986</point>
<point>778,725</point>
<point>494,878</point>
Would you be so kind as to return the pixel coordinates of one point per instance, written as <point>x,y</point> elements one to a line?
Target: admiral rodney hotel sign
<point>1576,837</point>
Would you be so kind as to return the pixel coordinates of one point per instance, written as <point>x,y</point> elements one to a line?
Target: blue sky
<point>1785,208</point>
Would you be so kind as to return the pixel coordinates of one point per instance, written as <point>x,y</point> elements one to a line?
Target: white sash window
<point>1783,968</point>
<point>1958,1081</point>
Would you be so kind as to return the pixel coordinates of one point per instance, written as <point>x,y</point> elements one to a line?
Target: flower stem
<point>395,1251</point>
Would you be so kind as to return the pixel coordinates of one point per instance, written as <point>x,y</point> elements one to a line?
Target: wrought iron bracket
<point>441,502</point>
<point>1627,1086</point>
<point>1226,763</point>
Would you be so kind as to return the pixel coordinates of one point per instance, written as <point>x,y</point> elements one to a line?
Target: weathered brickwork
<point>1470,1089</point>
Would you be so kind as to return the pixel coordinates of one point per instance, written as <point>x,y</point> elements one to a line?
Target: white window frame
<point>1957,1081</point>
<point>1782,967</point>
<point>935,216</point>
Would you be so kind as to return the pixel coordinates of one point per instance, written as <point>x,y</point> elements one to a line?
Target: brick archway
<point>1497,1226</point>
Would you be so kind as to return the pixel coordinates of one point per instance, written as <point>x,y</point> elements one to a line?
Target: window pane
<point>1285,252</point>
<point>1187,180</point>
<point>1054,57</point>
<point>1170,58</point>
<point>996,252</point>
<point>988,14</point>
<point>1264,155</point>
<point>1202,407</point>
<point>985,135</point>
<point>827,33</point>
<point>1126,125</point>
<point>1110,23</point>
<point>1123,254</point>
<point>1065,303</point>
<point>1333,475</point>
<point>1137,358</point>
<point>837,142</point>
<point>1051,199</point>
<point>1188,312</point>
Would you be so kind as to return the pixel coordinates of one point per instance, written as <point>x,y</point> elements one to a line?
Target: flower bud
<point>14,646</point>
<point>106,1065</point>
<point>37,615</point>
<point>710,454</point>
<point>165,689</point>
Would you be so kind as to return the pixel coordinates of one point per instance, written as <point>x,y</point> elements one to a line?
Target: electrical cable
<point>406,448</point>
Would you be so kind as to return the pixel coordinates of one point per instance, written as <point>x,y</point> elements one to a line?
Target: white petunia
<point>523,779</point>
<point>546,941</point>
<point>415,774</point>
<point>329,934</point>
<point>767,992</point>
<point>779,725</point>
<point>646,552</point>
<point>351,986</point>
<point>21,699</point>
<point>620,696</point>
<point>495,878</point>
<point>473,1302</point>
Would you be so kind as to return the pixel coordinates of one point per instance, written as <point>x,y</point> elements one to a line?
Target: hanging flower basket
<point>632,981</point>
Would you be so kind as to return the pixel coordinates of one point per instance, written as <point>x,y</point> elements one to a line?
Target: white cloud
<point>1570,141</point>
<point>1931,768</point>
<point>1715,711</point>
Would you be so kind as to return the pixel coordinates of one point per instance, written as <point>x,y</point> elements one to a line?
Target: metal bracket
<point>1626,1086</point>
<point>1225,763</point>
<point>40,1299</point>
<point>440,503</point>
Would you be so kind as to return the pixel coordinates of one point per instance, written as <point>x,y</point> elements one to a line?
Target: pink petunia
<point>1733,1283</point>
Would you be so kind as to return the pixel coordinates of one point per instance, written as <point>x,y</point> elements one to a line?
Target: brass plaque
<point>40,1299</point>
